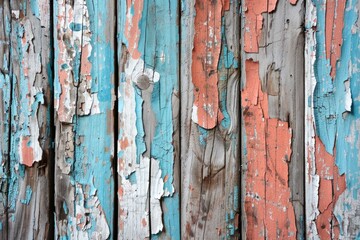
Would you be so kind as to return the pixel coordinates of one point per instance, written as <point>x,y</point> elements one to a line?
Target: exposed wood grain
<point>5,95</point>
<point>332,120</point>
<point>148,158</point>
<point>25,119</point>
<point>272,47</point>
<point>210,98</point>
<point>84,102</point>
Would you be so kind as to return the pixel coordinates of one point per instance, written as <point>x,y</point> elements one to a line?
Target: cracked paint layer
<point>269,211</point>
<point>148,82</point>
<point>5,102</point>
<point>253,10</point>
<point>210,131</point>
<point>25,122</point>
<point>205,58</point>
<point>333,108</point>
<point>84,105</point>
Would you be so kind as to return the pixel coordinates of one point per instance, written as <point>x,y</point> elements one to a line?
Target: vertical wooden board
<point>148,106</point>
<point>210,130</point>
<point>26,96</point>
<point>84,37</point>
<point>5,100</point>
<point>272,113</point>
<point>332,120</point>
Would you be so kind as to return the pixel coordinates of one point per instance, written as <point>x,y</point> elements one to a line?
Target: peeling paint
<point>332,159</point>
<point>84,102</point>
<point>269,213</point>
<point>147,83</point>
<point>205,58</point>
<point>254,22</point>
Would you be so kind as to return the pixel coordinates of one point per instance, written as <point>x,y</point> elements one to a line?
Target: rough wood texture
<point>210,130</point>
<point>84,105</point>
<point>148,105</point>
<point>5,95</point>
<point>26,93</point>
<point>332,120</point>
<point>272,113</point>
<point>191,119</point>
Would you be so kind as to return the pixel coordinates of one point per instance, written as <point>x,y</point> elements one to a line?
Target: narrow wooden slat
<point>26,95</point>
<point>272,115</point>
<point>148,158</point>
<point>332,119</point>
<point>210,138</point>
<point>5,96</point>
<point>84,100</point>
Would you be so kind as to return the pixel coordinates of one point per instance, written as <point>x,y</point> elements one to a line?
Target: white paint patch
<point>136,68</point>
<point>194,114</point>
<point>156,192</point>
<point>311,178</point>
<point>348,99</point>
<point>134,204</point>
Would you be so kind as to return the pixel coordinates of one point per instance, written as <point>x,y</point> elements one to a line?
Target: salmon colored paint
<point>27,152</point>
<point>132,31</point>
<point>269,212</point>
<point>254,22</point>
<point>63,106</point>
<point>330,187</point>
<point>333,31</point>
<point>205,58</point>
<point>85,63</point>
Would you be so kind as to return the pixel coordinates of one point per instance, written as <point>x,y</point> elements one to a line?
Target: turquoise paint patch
<point>94,154</point>
<point>65,208</point>
<point>35,8</point>
<point>132,178</point>
<point>324,98</point>
<point>333,95</point>
<point>28,194</point>
<point>158,46</point>
<point>77,27</point>
<point>203,135</point>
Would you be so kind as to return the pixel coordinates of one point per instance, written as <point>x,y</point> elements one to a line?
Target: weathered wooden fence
<point>179,119</point>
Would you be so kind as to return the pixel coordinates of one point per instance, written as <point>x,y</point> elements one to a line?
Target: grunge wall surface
<point>184,119</point>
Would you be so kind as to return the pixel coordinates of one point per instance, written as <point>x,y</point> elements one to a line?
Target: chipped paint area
<point>5,104</point>
<point>73,85</point>
<point>312,179</point>
<point>254,22</point>
<point>333,108</point>
<point>29,95</point>
<point>205,58</point>
<point>269,212</point>
<point>146,59</point>
<point>84,101</point>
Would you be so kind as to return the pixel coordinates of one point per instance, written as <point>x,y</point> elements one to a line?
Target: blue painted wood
<point>84,105</point>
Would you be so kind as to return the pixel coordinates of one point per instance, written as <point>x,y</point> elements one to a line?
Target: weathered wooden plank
<point>84,38</point>
<point>210,109</point>
<point>148,158</point>
<point>272,110</point>
<point>5,96</point>
<point>332,120</point>
<point>26,107</point>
